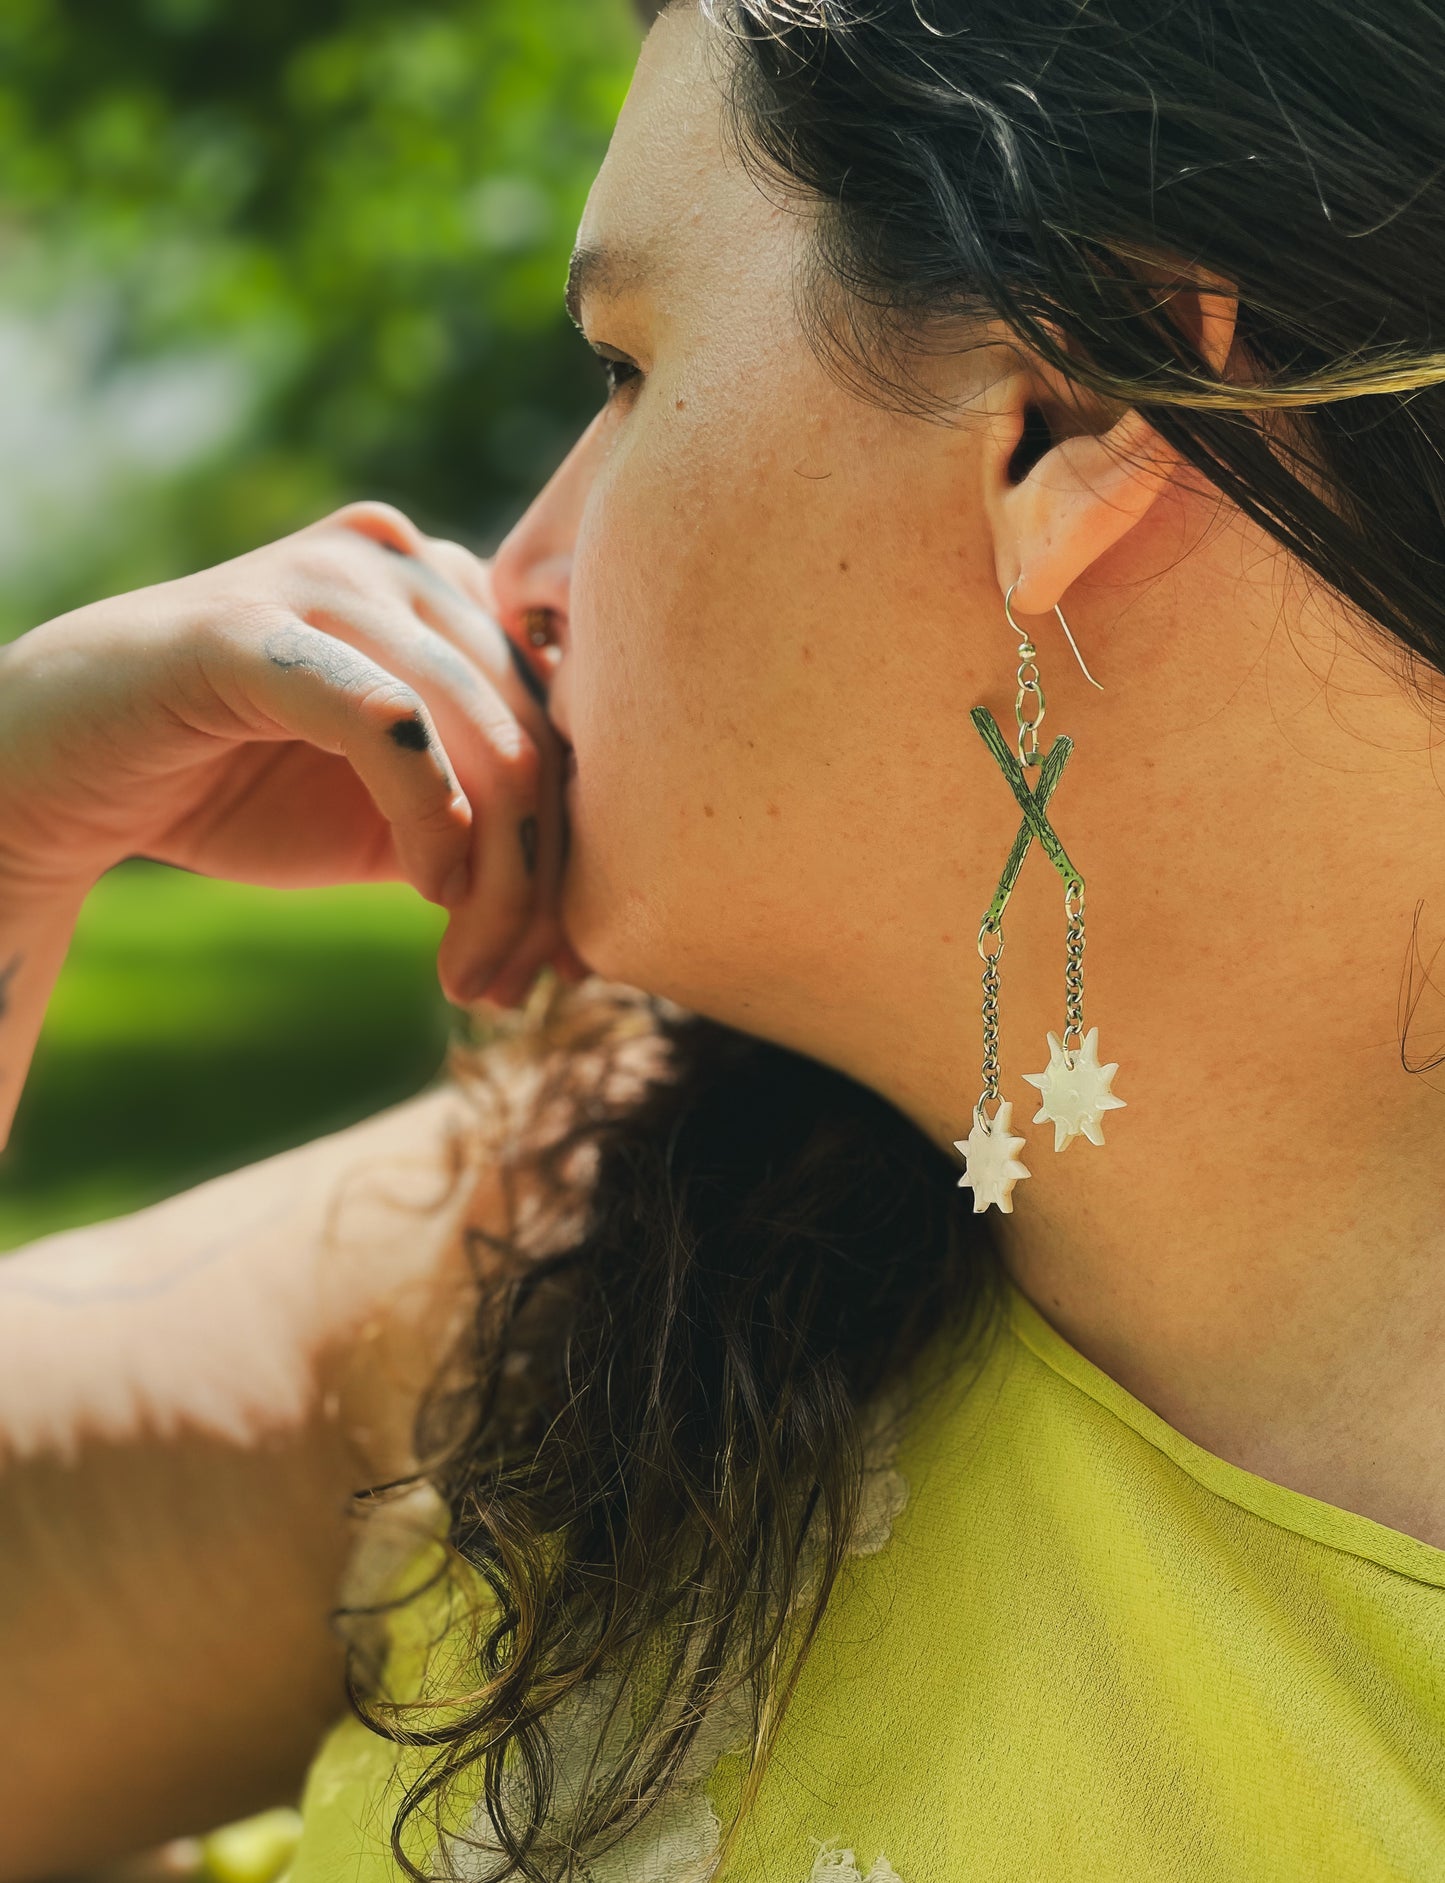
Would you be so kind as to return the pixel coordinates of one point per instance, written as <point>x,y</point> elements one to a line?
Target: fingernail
<point>457,885</point>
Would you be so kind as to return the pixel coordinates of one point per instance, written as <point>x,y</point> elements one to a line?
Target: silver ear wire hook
<point>1023,636</point>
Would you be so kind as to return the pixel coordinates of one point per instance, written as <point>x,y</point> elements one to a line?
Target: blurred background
<point>256,259</point>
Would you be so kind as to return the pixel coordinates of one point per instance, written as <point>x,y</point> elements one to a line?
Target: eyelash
<point>617,373</point>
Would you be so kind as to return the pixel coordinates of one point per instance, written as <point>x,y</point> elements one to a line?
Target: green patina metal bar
<point>1033,803</point>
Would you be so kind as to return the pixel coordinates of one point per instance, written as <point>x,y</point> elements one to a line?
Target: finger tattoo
<point>410,733</point>
<point>315,652</point>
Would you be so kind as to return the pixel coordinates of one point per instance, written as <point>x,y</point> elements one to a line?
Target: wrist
<point>41,895</point>
<point>36,926</point>
<point>39,869</point>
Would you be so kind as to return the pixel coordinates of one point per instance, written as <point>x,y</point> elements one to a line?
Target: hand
<point>339,706</point>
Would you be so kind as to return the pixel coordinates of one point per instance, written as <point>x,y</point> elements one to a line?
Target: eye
<point>616,370</point>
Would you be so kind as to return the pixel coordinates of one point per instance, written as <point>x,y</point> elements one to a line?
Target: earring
<point>1074,1088</point>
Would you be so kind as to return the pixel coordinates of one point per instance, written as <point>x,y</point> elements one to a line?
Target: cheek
<point>740,703</point>
<point>663,700</point>
<point>706,564</point>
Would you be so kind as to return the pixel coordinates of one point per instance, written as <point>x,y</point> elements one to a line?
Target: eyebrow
<point>602,271</point>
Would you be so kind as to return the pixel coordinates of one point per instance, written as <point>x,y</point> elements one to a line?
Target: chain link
<point>1074,969</point>
<point>1029,682</point>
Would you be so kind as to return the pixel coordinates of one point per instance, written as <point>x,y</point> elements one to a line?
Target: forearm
<point>189,1398</point>
<point>35,932</point>
<point>165,1639</point>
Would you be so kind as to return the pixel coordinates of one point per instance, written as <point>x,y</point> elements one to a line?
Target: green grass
<point>201,1025</point>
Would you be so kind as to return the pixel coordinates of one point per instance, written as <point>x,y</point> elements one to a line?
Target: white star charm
<point>993,1169</point>
<point>1075,1097</point>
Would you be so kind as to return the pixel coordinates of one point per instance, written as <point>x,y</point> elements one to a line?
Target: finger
<point>537,653</point>
<point>454,594</point>
<point>424,581</point>
<point>467,575</point>
<point>544,946</point>
<point>291,680</point>
<point>545,851</point>
<point>459,586</point>
<point>458,610</point>
<point>470,574</point>
<point>446,587</point>
<point>513,786</point>
<point>459,577</point>
<point>541,936</point>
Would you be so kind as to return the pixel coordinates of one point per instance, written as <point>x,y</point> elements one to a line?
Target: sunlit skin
<point>775,606</point>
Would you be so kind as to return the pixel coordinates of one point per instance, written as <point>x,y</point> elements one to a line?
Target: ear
<point>1066,477</point>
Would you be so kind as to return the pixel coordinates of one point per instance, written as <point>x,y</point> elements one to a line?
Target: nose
<point>532,569</point>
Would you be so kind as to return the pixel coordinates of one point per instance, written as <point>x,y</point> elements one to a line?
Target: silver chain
<point>990,1022</point>
<point>1074,969</point>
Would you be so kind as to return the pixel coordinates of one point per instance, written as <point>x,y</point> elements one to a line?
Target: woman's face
<point>776,604</point>
<point>767,592</point>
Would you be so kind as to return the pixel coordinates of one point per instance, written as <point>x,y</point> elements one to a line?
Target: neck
<point>1257,1249</point>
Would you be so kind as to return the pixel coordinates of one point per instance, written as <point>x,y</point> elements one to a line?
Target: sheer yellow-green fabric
<point>1076,1648</point>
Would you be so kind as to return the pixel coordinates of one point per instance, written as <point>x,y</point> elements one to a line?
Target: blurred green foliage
<point>199,1025</point>
<point>257,258</point>
<point>290,254</point>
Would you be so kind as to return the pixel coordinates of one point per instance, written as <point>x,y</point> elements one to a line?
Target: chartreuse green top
<point>1070,1646</point>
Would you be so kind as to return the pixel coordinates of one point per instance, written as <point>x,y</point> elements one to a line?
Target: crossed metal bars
<point>1033,803</point>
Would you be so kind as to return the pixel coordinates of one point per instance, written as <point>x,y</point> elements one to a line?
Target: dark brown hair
<point>652,1433</point>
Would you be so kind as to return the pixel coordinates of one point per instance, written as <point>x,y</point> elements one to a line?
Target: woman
<point>810,1510</point>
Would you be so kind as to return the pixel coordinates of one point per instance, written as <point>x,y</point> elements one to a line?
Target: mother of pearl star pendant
<point>1074,1095</point>
<point>1075,1091</point>
<point>993,1168</point>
